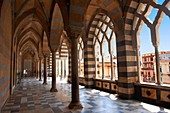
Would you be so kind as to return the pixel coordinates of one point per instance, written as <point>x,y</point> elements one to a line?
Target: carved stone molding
<point>148,93</point>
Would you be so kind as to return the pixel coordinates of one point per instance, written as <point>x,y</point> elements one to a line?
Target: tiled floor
<point>33,97</point>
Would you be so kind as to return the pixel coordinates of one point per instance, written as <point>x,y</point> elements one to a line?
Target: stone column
<point>138,64</point>
<point>75,102</point>
<point>69,67</point>
<point>45,70</point>
<point>57,67</point>
<point>33,66</point>
<point>53,88</point>
<point>111,51</point>
<point>64,67</point>
<point>111,67</point>
<point>61,69</point>
<point>36,69</point>
<point>155,41</point>
<point>157,65</point>
<point>103,60</point>
<point>40,73</point>
<point>22,67</point>
<point>103,64</point>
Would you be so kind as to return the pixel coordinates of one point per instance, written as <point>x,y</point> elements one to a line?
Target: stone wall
<point>5,50</point>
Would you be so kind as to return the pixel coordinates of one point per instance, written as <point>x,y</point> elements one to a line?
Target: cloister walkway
<point>30,96</point>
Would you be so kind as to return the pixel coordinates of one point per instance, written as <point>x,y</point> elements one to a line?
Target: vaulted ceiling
<point>37,23</point>
<point>31,19</point>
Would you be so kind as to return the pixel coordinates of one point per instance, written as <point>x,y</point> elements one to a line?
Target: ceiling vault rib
<point>23,5</point>
<point>44,10</point>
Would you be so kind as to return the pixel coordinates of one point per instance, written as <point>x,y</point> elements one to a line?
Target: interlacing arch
<point>144,9</point>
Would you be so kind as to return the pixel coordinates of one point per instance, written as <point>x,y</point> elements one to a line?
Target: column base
<point>44,83</point>
<point>75,105</point>
<point>53,90</point>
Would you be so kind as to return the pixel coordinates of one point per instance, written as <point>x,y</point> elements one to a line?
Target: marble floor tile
<point>31,96</point>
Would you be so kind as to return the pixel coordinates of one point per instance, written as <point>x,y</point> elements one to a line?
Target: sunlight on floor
<point>103,94</point>
<point>95,91</point>
<point>150,107</point>
<point>81,86</point>
<point>113,96</point>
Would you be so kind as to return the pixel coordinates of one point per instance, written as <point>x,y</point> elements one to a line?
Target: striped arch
<point>127,56</point>
<point>63,59</point>
<point>77,12</point>
<point>125,53</point>
<point>56,28</point>
<point>95,12</point>
<point>63,50</point>
<point>46,49</point>
<point>110,7</point>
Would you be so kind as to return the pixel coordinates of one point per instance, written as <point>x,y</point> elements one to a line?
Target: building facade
<point>148,67</point>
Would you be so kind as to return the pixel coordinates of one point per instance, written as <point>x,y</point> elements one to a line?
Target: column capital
<point>54,49</point>
<point>73,31</point>
<point>41,57</point>
<point>46,54</point>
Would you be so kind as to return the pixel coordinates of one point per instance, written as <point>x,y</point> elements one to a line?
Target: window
<point>104,42</point>
<point>80,57</point>
<point>153,23</point>
<point>145,59</point>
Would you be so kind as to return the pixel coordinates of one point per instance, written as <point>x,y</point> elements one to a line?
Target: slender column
<point>97,66</point>
<point>79,65</point>
<point>53,88</point>
<point>111,62</point>
<point>40,73</point>
<point>156,40</point>
<point>138,64</point>
<point>57,67</point>
<point>37,69</point>
<point>102,67</point>
<point>64,68</point>
<point>75,103</point>
<point>32,66</point>
<point>22,67</point>
<point>69,67</point>
<point>157,65</point>
<point>48,65</point>
<point>61,69</point>
<point>45,70</point>
<point>103,63</point>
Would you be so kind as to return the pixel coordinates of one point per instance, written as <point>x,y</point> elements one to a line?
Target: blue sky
<point>164,32</point>
<point>145,36</point>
